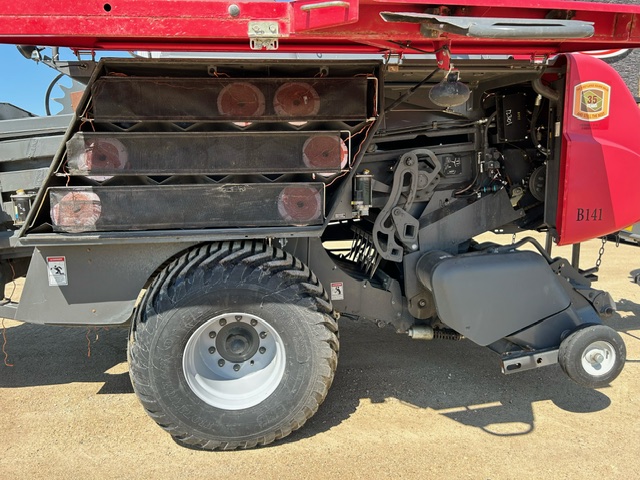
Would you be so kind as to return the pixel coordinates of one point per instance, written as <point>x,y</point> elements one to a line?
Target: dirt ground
<point>397,409</point>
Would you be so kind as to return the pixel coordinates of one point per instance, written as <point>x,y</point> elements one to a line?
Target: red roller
<point>103,155</point>
<point>299,204</point>
<point>241,100</point>
<point>296,99</point>
<point>325,152</point>
<point>76,211</point>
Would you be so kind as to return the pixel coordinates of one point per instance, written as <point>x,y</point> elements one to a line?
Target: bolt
<point>263,335</point>
<point>234,10</point>
<point>414,246</point>
<point>272,28</point>
<point>597,358</point>
<point>397,211</point>
<point>223,322</point>
<point>254,322</point>
<point>221,363</point>
<point>236,367</point>
<point>212,350</point>
<point>422,303</point>
<point>212,334</point>
<point>238,318</point>
<point>262,350</point>
<point>409,161</point>
<point>366,171</point>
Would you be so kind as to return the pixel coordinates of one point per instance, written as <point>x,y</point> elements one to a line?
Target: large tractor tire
<point>233,346</point>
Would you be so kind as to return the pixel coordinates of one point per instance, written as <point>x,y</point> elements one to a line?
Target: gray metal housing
<point>488,296</point>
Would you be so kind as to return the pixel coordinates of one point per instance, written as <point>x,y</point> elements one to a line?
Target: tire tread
<point>172,284</point>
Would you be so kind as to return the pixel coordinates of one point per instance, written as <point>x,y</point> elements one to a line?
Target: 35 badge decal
<point>591,101</point>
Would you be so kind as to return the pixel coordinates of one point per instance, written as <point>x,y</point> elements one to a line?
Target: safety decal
<point>57,270</point>
<point>591,101</point>
<point>337,291</point>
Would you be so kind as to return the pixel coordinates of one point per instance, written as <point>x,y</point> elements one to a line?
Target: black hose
<point>530,240</point>
<point>47,96</point>
<point>411,91</point>
<point>534,120</point>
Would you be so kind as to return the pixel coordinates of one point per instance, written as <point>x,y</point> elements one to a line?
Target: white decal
<point>337,291</point>
<point>57,268</point>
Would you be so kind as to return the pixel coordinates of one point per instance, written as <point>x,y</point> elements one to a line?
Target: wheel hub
<point>599,358</point>
<point>237,342</point>
<point>234,361</point>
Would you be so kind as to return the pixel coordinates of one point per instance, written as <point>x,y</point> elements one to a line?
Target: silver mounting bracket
<point>528,361</point>
<point>393,61</point>
<point>263,35</point>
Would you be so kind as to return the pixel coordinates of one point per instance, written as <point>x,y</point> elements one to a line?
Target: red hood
<point>600,163</point>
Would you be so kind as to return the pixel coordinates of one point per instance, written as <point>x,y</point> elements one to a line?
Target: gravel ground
<point>398,409</point>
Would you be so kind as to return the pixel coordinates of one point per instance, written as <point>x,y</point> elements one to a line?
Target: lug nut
<point>262,350</point>
<point>254,322</point>
<point>212,350</point>
<point>263,335</point>
<point>221,363</point>
<point>223,322</point>
<point>212,334</point>
<point>236,367</point>
<point>238,318</point>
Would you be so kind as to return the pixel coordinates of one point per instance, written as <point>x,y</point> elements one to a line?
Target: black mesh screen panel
<point>205,153</point>
<point>150,207</point>
<point>197,99</point>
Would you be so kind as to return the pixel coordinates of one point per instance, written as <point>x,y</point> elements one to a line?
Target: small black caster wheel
<point>593,356</point>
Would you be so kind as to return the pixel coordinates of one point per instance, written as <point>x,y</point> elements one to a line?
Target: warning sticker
<point>591,101</point>
<point>57,268</point>
<point>337,291</point>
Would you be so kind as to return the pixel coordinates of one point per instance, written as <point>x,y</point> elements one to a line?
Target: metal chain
<point>600,253</point>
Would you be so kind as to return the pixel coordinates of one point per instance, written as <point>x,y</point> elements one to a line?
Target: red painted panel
<point>600,165</point>
<point>330,25</point>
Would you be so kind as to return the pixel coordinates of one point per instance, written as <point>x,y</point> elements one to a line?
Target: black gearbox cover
<point>486,297</point>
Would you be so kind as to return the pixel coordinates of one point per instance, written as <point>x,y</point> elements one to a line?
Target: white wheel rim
<point>234,361</point>
<point>598,358</point>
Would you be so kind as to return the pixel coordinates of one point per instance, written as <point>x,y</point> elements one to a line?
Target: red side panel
<point>600,165</point>
<point>349,26</point>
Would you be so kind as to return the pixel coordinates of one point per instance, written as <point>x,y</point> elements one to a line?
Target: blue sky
<point>24,82</point>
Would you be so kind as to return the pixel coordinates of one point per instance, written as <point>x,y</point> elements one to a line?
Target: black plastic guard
<point>486,297</point>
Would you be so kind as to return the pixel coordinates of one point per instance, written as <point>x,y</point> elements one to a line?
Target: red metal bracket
<point>313,15</point>
<point>443,55</point>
